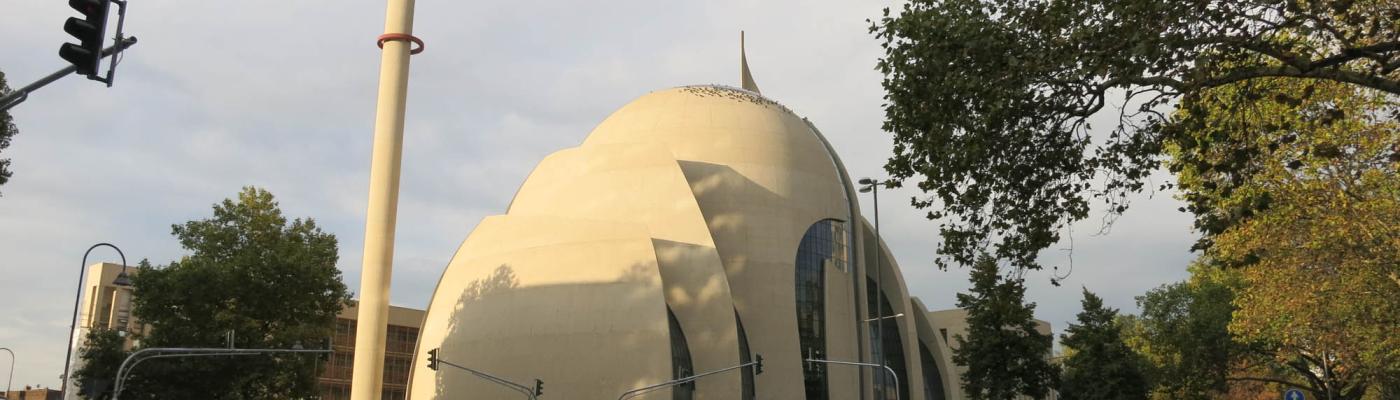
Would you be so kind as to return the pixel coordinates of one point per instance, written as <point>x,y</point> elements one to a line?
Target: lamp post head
<point>122,280</point>
<point>867,181</point>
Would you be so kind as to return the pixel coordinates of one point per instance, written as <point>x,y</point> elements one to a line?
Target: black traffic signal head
<point>89,31</point>
<point>433,359</point>
<point>758,364</point>
<point>539,387</point>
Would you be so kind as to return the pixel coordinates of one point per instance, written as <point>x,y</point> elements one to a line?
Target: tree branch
<point>1269,380</point>
<point>1373,82</point>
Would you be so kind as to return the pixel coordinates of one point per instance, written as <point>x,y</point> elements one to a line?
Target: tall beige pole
<point>367,380</point>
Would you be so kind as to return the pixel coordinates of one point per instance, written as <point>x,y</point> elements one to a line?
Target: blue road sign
<point>1294,394</point>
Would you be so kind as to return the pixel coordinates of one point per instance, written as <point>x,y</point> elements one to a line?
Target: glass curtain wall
<point>681,365</point>
<point>890,348</point>
<point>933,381</point>
<point>823,246</point>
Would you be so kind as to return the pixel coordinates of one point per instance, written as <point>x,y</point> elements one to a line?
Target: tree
<point>1298,184</point>
<point>1101,366</point>
<point>249,271</point>
<point>1183,335</point>
<point>1004,354</point>
<point>102,353</point>
<point>7,131</point>
<point>990,101</point>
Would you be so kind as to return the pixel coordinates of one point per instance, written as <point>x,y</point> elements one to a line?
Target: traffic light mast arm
<point>757,364</point>
<point>434,362</point>
<point>19,95</point>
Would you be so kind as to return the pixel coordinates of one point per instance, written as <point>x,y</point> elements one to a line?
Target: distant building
<point>108,306</point>
<point>30,393</point>
<point>947,326</point>
<point>398,353</point>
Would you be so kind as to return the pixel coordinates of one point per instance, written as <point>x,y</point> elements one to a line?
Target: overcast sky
<point>280,94</point>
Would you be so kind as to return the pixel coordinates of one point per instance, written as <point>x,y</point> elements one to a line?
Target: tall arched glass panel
<point>744,358</point>
<point>933,381</point>
<point>823,246</point>
<point>890,348</point>
<point>681,366</point>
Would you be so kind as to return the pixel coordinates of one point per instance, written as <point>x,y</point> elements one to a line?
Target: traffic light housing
<point>89,30</point>
<point>539,387</point>
<point>433,359</point>
<point>758,364</point>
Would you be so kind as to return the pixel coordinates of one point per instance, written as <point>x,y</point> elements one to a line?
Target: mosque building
<point>695,229</point>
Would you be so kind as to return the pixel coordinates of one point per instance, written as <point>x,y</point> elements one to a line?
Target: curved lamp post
<point>12,371</point>
<point>122,280</point>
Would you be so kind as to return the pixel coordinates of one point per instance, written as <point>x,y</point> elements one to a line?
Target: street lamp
<point>872,186</point>
<point>122,280</point>
<point>12,372</point>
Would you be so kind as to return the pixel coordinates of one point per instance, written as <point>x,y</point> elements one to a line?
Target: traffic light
<point>89,31</point>
<point>433,359</point>
<point>539,387</point>
<point>758,364</point>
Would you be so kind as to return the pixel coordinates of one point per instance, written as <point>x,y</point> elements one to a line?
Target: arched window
<point>681,366</point>
<point>933,381</point>
<point>824,244</point>
<point>890,348</point>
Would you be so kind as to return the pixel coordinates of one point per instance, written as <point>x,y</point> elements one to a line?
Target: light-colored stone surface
<point>576,303</point>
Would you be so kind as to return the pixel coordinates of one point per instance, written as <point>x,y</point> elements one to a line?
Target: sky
<point>280,95</point>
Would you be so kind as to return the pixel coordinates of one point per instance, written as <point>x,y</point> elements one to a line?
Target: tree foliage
<point>1101,366</point>
<point>990,101</point>
<point>7,131</point>
<point>1296,182</point>
<point>1004,354</point>
<point>102,353</point>
<point>250,271</point>
<point>1184,337</point>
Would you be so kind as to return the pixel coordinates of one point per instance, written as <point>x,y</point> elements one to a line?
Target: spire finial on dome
<point>746,79</point>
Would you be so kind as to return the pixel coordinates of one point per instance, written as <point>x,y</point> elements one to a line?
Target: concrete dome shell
<point>756,136</point>
<point>704,192</point>
<point>762,176</point>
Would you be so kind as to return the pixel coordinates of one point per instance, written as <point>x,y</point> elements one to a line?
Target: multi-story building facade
<point>106,305</point>
<point>398,354</point>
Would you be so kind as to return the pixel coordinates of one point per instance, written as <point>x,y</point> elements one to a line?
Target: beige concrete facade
<point>692,202</point>
<point>103,305</point>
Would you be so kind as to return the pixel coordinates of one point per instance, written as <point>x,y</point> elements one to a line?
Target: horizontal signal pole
<point>19,95</point>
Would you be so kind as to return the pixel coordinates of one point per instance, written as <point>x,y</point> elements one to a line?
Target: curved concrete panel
<point>516,304</point>
<point>641,183</point>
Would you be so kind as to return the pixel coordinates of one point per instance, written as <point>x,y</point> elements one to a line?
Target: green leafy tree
<point>1100,366</point>
<point>990,101</point>
<point>1004,354</point>
<point>7,131</point>
<point>249,270</point>
<point>1183,333</point>
<point>102,353</point>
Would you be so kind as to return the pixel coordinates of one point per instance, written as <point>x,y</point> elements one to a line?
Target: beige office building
<point>694,229</point>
